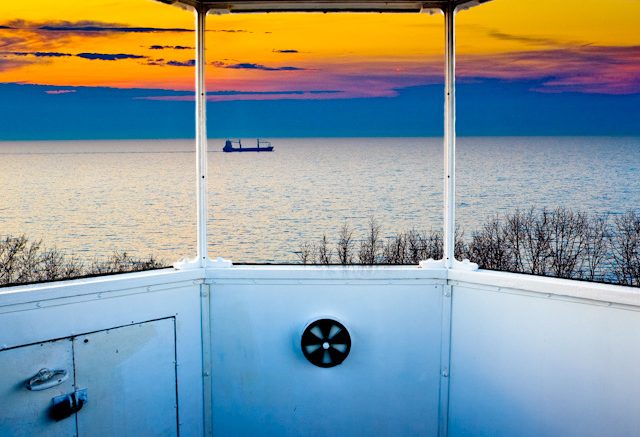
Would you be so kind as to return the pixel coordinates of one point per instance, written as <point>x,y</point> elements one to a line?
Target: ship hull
<point>249,149</point>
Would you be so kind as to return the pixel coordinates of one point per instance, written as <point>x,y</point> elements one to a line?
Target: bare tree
<point>558,242</point>
<point>393,251</point>
<point>489,247</point>
<point>344,248</point>
<point>536,241</point>
<point>514,237</point>
<point>371,246</point>
<point>625,242</point>
<point>306,254</point>
<point>415,247</point>
<point>596,248</point>
<point>567,242</point>
<point>324,252</point>
<point>433,244</point>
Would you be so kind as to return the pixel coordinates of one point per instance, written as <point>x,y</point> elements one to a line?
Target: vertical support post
<point>445,361</point>
<point>205,324</point>
<point>201,136</point>
<point>449,136</point>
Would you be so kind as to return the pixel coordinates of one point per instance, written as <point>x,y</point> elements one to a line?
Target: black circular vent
<point>326,343</point>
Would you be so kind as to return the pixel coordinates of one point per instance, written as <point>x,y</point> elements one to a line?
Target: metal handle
<point>47,378</point>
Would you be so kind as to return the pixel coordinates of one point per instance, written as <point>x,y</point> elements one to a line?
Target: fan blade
<point>339,347</point>
<point>317,332</point>
<point>326,359</point>
<point>341,337</point>
<point>333,331</point>
<point>312,348</point>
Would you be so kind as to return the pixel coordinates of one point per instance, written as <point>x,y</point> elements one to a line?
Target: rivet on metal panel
<point>99,296</point>
<point>38,305</point>
<point>205,373</point>
<point>447,293</point>
<point>445,372</point>
<point>204,293</point>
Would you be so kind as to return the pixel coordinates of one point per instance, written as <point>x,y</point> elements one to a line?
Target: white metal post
<point>202,257</point>
<point>201,136</point>
<point>449,136</point>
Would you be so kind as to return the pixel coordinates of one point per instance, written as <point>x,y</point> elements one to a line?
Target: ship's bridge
<point>210,348</point>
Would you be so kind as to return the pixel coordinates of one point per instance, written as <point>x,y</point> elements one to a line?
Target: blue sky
<point>124,69</point>
<point>485,107</point>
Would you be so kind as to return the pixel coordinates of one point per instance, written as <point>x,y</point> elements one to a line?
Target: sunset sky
<point>124,69</point>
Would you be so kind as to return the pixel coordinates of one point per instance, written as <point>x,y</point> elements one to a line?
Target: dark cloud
<point>584,69</point>
<point>285,51</point>
<point>41,54</point>
<point>532,39</point>
<point>108,56</point>
<point>59,92</point>
<point>189,63</point>
<point>161,62</point>
<point>268,93</point>
<point>70,27</point>
<point>12,42</point>
<point>158,47</point>
<point>86,27</point>
<point>522,38</point>
<point>90,56</point>
<point>155,62</point>
<point>230,30</point>
<point>236,95</point>
<point>10,64</point>
<point>250,66</point>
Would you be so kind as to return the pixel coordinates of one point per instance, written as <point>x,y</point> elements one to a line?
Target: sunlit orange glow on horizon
<point>356,54</point>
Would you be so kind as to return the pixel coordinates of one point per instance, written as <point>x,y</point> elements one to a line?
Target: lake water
<point>90,198</point>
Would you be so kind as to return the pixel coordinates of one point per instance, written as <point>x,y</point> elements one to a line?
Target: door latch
<point>66,405</point>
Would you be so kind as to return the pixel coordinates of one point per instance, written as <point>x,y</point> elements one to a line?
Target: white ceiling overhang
<point>246,6</point>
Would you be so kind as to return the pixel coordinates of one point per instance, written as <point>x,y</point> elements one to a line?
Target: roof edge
<point>390,6</point>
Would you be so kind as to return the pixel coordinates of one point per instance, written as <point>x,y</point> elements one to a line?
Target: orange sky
<point>593,49</point>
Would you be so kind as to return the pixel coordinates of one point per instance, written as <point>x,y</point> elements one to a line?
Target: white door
<point>25,412</point>
<point>130,377</point>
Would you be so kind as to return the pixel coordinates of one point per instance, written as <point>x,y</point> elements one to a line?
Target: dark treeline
<point>23,261</point>
<point>560,242</point>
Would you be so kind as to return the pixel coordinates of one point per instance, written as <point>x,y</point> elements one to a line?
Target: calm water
<point>90,198</point>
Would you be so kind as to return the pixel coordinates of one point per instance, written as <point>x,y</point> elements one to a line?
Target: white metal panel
<point>525,365</point>
<point>609,294</point>
<point>130,377</point>
<point>388,385</point>
<point>62,310</point>
<point>24,412</point>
